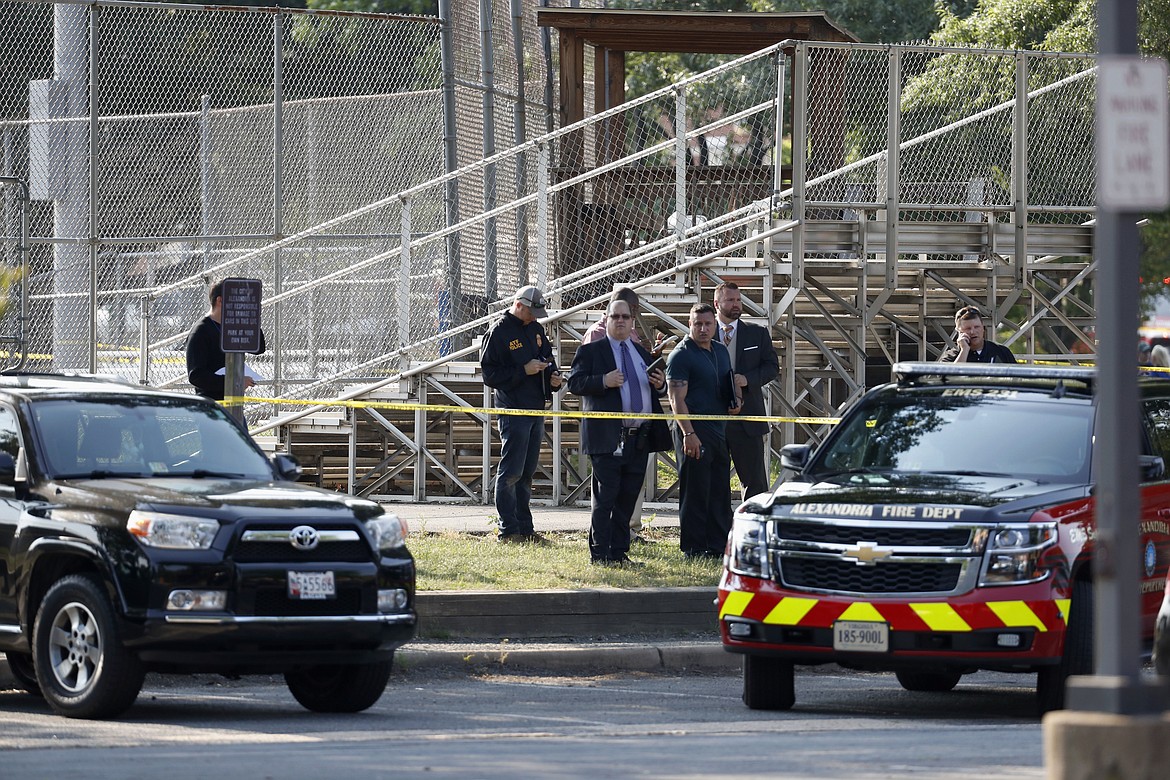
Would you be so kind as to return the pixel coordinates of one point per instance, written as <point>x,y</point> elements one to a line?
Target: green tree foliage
<point>895,20</point>
<point>414,7</point>
<point>888,22</point>
<point>885,22</point>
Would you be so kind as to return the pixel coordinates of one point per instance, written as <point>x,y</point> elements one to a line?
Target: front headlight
<point>175,532</point>
<point>387,531</point>
<point>749,551</point>
<point>1014,552</point>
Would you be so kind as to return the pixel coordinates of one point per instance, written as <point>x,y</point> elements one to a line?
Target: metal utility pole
<point>1132,178</point>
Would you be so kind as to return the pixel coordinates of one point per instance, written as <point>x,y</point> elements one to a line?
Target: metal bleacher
<point>850,267</point>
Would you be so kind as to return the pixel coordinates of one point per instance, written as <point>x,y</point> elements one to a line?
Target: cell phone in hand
<point>659,364</point>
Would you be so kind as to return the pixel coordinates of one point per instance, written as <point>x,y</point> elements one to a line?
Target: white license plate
<point>311,585</point>
<point>861,637</point>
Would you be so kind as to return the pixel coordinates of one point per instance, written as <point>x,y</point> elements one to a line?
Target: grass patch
<point>463,561</point>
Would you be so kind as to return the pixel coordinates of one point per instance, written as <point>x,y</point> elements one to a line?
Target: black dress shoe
<point>607,562</point>
<point>625,562</point>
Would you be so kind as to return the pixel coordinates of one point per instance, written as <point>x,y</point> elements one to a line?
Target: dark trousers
<point>747,453</point>
<point>704,504</point>
<point>617,483</point>
<point>519,457</point>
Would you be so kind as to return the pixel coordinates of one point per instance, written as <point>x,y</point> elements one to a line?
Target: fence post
<point>893,166</point>
<point>92,135</point>
<point>487,73</point>
<point>519,136</point>
<point>799,171</point>
<point>277,197</point>
<point>70,209</point>
<point>451,279</point>
<point>404,266</point>
<point>680,171</point>
<point>206,172</point>
<point>1019,181</point>
<point>542,209</point>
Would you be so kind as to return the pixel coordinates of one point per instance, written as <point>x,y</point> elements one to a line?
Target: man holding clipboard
<point>611,375</point>
<point>598,332</point>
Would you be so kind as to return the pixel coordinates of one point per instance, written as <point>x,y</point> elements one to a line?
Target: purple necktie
<point>631,379</point>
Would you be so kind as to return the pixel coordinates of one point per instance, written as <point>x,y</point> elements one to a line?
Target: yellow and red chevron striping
<point>1047,615</point>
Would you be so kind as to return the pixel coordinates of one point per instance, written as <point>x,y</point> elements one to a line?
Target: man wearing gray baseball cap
<point>518,363</point>
<point>533,298</point>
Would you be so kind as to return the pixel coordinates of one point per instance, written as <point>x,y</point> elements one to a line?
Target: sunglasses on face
<point>619,316</point>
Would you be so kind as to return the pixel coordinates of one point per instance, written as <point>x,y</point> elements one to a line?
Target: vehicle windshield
<point>964,431</point>
<point>141,436</point>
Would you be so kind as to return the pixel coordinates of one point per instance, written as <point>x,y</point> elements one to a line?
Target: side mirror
<point>7,469</point>
<point>1153,468</point>
<point>795,456</point>
<point>286,467</point>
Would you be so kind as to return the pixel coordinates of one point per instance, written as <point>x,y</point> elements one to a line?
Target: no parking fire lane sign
<point>1133,134</point>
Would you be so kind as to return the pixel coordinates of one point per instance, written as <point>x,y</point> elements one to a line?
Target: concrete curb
<point>543,614</point>
<point>601,657</point>
<point>670,630</point>
<point>676,630</point>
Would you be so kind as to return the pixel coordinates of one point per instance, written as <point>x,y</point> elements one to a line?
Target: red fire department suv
<point>944,526</point>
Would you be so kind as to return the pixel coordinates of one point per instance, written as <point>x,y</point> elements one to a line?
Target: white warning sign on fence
<point>1133,134</point>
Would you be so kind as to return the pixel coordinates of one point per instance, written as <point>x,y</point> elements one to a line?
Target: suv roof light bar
<point>910,371</point>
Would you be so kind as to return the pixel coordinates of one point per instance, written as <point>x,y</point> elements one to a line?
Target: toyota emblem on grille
<point>304,537</point>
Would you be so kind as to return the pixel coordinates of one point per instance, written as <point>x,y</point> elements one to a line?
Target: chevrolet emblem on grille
<point>304,537</point>
<point>866,553</point>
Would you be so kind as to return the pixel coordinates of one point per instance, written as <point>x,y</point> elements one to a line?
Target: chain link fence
<point>311,151</point>
<point>154,168</point>
<point>945,134</point>
<point>166,145</point>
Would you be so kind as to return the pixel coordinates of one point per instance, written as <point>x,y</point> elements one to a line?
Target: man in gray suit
<point>754,364</point>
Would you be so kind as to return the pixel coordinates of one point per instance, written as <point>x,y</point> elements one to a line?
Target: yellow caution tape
<point>404,406</point>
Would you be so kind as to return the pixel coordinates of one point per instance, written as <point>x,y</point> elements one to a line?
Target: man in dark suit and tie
<point>611,375</point>
<point>753,364</point>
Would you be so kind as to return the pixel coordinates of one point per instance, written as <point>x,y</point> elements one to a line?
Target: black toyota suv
<point>143,530</point>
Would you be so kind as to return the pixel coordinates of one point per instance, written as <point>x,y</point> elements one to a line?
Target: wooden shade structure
<point>613,33</point>
<point>596,229</point>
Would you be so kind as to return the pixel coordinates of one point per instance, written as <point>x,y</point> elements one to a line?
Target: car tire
<point>339,687</point>
<point>928,682</point>
<point>21,666</point>
<point>82,668</point>
<point>1077,656</point>
<point>768,683</point>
